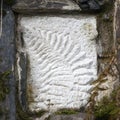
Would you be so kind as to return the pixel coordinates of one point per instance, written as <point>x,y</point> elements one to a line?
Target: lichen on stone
<point>3,85</point>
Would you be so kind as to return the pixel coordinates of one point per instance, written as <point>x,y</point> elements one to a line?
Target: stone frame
<point>104,54</point>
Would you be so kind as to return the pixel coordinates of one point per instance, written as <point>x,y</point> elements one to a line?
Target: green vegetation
<point>66,112</point>
<point>3,85</point>
<point>27,115</point>
<point>4,90</point>
<point>39,113</point>
<point>22,115</point>
<point>108,108</point>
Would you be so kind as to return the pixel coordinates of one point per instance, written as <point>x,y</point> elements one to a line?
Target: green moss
<point>3,85</point>
<point>107,108</point>
<point>38,113</point>
<point>26,114</point>
<point>66,112</point>
<point>108,6</point>
<point>22,115</point>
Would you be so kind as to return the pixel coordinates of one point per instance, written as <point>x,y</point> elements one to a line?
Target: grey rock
<point>80,116</point>
<point>7,56</point>
<point>38,6</point>
<point>93,5</point>
<point>23,82</point>
<point>83,1</point>
<point>84,6</point>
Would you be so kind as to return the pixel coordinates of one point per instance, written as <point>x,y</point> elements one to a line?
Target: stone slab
<point>39,6</point>
<point>55,6</point>
<point>7,62</point>
<point>62,60</point>
<point>80,116</point>
<point>117,31</point>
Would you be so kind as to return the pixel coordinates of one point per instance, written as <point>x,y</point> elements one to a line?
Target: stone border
<point>58,6</point>
<point>7,52</point>
<point>7,63</point>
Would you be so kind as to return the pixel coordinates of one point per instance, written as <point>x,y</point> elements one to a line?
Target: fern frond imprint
<point>63,60</point>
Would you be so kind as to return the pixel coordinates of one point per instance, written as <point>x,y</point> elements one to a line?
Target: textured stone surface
<point>7,61</point>
<point>23,78</point>
<point>106,43</point>
<point>80,116</point>
<point>92,5</point>
<point>38,6</point>
<point>117,31</point>
<point>62,60</point>
<point>77,116</point>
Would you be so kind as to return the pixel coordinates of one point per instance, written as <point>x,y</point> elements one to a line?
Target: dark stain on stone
<point>23,82</point>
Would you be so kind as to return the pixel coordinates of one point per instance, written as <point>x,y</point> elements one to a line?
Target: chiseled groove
<point>48,36</point>
<point>68,48</point>
<point>78,58</point>
<point>82,74</point>
<point>31,43</point>
<point>66,85</point>
<point>44,89</point>
<point>75,51</point>
<point>52,73</point>
<point>39,48</point>
<point>60,36</point>
<point>63,46</point>
<point>79,66</point>
<point>34,46</point>
<point>56,46</point>
<point>49,66</point>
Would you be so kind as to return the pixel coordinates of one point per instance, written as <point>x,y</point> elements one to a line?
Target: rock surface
<point>38,6</point>
<point>62,60</point>
<point>77,116</point>
<point>80,116</point>
<point>7,60</point>
<point>92,5</point>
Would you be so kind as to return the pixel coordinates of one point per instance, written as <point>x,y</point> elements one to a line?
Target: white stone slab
<point>63,60</point>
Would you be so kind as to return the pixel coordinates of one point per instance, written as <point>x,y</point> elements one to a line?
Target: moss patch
<point>108,108</point>
<point>38,113</point>
<point>3,85</point>
<point>26,114</point>
<point>66,112</point>
<point>4,90</point>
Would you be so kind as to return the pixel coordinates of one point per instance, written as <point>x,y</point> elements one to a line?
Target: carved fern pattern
<point>61,68</point>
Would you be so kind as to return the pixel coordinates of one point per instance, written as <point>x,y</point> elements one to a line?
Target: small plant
<point>107,108</point>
